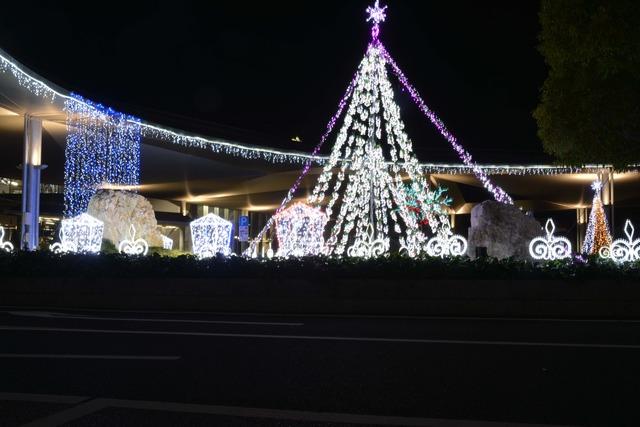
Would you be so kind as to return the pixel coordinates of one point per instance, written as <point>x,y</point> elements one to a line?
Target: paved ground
<point>160,369</point>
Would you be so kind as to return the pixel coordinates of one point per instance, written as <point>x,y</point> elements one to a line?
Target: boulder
<point>118,210</point>
<point>503,229</point>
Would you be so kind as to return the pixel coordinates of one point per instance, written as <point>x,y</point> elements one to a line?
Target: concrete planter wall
<point>518,298</point>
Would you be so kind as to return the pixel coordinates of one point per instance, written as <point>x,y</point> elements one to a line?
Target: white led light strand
<point>103,148</point>
<point>211,235</point>
<point>81,234</point>
<point>5,246</point>
<point>550,247</point>
<point>133,246</point>
<point>300,229</point>
<point>623,250</point>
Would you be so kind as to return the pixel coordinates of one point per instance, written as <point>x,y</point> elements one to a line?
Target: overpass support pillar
<point>31,168</point>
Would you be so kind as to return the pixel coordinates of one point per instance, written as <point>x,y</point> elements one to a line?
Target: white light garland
<point>167,242</point>
<point>211,235</point>
<point>81,234</point>
<point>133,246</point>
<point>623,250</point>
<point>300,229</point>
<point>5,246</point>
<point>550,247</point>
<point>445,243</point>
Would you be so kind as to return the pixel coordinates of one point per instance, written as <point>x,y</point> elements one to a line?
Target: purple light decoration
<point>498,193</point>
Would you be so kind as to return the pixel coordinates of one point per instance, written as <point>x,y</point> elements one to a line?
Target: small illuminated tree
<point>598,234</point>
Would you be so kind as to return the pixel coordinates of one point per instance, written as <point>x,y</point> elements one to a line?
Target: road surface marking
<point>91,406</point>
<point>45,398</point>
<point>12,310</point>
<point>321,338</point>
<point>83,356</point>
<point>63,417</point>
<point>50,315</point>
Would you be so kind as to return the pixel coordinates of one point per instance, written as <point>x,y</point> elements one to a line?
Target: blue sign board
<point>243,228</point>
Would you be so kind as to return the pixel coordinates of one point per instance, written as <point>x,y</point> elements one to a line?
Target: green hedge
<point>46,264</point>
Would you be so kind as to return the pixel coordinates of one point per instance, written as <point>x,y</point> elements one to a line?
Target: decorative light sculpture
<point>103,148</point>
<point>300,230</point>
<point>5,246</point>
<point>597,235</point>
<point>445,243</point>
<point>82,234</point>
<point>167,242</point>
<point>133,246</point>
<point>622,250</point>
<point>550,247</point>
<point>211,235</point>
<point>368,246</point>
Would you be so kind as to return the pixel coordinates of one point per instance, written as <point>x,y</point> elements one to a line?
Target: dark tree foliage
<point>590,103</point>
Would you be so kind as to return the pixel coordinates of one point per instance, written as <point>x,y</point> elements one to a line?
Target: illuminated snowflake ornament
<point>550,247</point>
<point>211,235</point>
<point>167,242</point>
<point>445,243</point>
<point>4,246</point>
<point>300,230</point>
<point>133,246</point>
<point>80,234</point>
<point>623,250</point>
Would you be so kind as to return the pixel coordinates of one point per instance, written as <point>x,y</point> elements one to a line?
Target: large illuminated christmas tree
<point>363,183</point>
<point>598,234</point>
<point>372,182</point>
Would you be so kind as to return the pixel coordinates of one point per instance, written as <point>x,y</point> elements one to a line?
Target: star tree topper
<point>377,15</point>
<point>597,186</point>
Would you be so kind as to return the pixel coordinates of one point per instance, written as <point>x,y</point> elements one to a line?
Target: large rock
<point>503,229</point>
<point>119,209</point>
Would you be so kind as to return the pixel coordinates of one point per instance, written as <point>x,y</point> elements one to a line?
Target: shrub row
<point>47,264</point>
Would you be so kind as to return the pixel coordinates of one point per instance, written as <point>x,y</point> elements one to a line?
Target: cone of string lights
<point>363,185</point>
<point>598,235</point>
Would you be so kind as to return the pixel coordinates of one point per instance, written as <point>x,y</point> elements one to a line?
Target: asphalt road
<point>137,369</point>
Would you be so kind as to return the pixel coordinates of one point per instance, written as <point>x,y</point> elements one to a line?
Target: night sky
<point>263,72</point>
